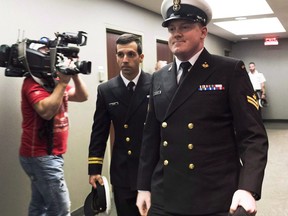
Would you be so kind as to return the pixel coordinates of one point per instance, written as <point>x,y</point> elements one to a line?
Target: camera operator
<point>44,140</point>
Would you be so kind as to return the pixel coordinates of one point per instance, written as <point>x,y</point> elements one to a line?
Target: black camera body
<point>20,60</point>
<point>39,63</point>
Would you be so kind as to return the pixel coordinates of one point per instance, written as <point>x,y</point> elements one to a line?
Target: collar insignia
<point>205,65</point>
<point>176,5</point>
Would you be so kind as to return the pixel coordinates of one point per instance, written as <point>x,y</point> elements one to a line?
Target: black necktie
<point>130,87</point>
<point>185,67</point>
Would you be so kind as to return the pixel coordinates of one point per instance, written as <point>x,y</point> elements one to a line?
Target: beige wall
<point>43,18</point>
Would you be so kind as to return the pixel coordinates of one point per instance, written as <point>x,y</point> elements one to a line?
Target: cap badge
<point>176,5</point>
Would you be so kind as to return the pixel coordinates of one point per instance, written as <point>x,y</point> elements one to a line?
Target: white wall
<point>272,62</point>
<point>42,18</point>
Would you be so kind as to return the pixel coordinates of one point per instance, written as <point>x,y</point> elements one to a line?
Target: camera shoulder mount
<point>48,84</point>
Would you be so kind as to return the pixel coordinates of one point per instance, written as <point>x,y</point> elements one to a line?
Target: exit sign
<point>271,41</point>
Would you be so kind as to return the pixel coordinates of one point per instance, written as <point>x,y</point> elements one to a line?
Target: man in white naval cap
<point>204,147</point>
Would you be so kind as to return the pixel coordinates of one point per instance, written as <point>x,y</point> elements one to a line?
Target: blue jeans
<point>50,196</point>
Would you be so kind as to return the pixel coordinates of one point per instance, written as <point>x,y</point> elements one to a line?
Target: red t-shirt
<point>31,143</point>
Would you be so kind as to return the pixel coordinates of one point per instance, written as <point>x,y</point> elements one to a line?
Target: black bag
<point>240,211</point>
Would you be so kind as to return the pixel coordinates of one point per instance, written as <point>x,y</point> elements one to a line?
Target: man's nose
<point>125,58</point>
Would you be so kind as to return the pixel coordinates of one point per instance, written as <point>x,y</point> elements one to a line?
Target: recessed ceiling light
<point>238,8</point>
<point>252,26</point>
<point>240,18</point>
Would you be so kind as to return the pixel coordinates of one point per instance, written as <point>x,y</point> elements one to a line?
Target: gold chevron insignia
<point>253,101</point>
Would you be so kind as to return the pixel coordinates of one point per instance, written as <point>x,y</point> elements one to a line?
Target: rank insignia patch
<point>95,160</point>
<point>253,101</point>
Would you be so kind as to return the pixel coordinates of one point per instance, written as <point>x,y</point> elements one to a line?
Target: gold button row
<point>190,166</point>
<point>190,146</point>
<point>190,125</point>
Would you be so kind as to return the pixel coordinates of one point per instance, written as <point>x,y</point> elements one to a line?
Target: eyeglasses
<point>129,54</point>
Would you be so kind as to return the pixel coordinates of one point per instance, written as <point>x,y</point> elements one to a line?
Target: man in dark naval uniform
<point>204,148</point>
<point>123,100</point>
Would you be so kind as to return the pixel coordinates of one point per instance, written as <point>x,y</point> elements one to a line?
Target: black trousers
<point>125,202</point>
<point>159,211</point>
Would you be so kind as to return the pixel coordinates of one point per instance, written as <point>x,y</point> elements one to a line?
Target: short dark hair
<point>128,38</point>
<point>251,63</point>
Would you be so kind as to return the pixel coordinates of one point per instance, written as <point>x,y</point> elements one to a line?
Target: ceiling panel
<point>279,10</point>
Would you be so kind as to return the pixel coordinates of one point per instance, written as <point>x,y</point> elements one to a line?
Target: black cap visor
<point>186,12</point>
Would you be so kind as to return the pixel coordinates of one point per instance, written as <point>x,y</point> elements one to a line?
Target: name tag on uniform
<point>114,103</point>
<point>157,93</point>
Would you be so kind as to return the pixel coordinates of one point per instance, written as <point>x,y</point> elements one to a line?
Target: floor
<point>274,200</point>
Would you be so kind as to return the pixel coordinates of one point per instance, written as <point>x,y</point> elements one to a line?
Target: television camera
<point>21,59</point>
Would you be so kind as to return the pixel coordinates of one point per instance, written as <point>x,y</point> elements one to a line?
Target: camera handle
<point>53,53</point>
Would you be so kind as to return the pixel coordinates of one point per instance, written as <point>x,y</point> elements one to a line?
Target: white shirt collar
<point>135,80</point>
<point>191,60</point>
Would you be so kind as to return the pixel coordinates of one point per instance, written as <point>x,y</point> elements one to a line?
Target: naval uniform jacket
<point>196,134</point>
<point>128,117</point>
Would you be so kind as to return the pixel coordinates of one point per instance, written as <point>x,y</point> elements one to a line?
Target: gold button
<point>191,166</point>
<point>126,126</point>
<point>190,125</point>
<point>129,152</point>
<point>166,162</point>
<point>127,139</point>
<point>165,143</point>
<point>164,124</point>
<point>190,146</point>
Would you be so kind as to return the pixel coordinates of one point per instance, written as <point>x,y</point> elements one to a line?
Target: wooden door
<point>163,51</point>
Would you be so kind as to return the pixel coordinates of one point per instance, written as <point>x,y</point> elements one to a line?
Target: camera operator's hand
<point>66,65</point>
<point>63,78</point>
